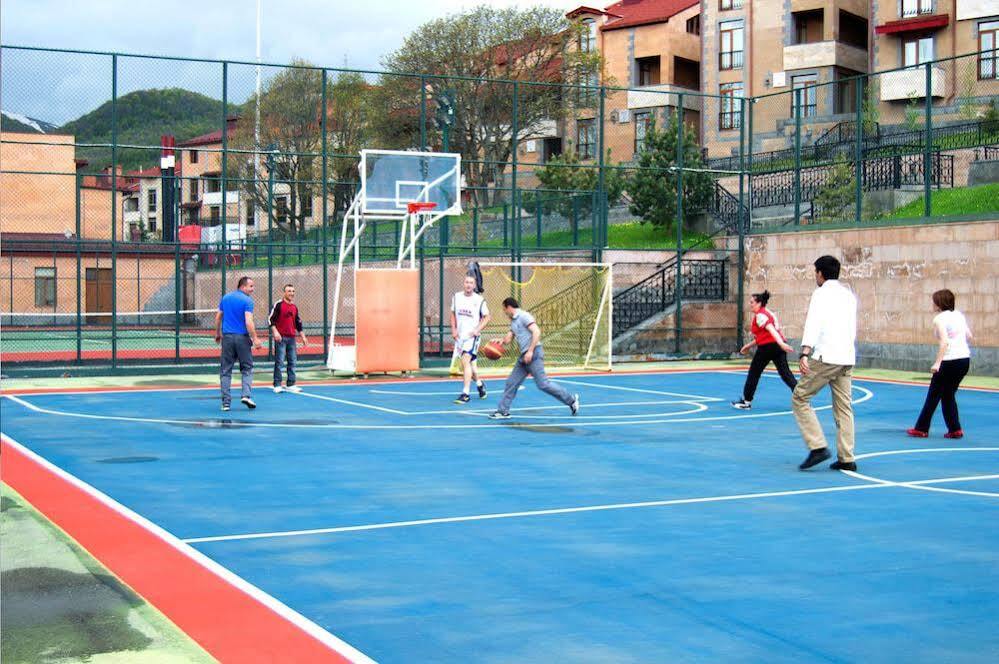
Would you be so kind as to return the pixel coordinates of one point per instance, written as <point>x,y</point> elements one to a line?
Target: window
<point>916,7</point>
<point>586,139</point>
<point>917,51</point>
<point>809,26</point>
<point>808,96</point>
<point>643,120</point>
<point>853,30</point>
<point>846,90</point>
<point>251,215</point>
<point>588,36</point>
<point>45,287</point>
<point>306,205</point>
<point>213,185</point>
<point>194,189</point>
<point>194,156</point>
<point>686,73</point>
<point>694,25</point>
<point>151,200</point>
<point>215,214</point>
<point>648,70</point>
<point>730,43</point>
<point>730,4</point>
<point>281,211</point>
<point>988,41</point>
<point>730,116</point>
<point>131,205</point>
<point>152,225</point>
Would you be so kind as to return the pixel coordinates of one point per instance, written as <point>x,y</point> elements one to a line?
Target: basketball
<point>493,351</point>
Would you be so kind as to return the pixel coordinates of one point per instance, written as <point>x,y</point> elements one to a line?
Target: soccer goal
<point>572,303</point>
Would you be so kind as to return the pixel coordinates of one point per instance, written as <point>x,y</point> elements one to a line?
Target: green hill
<point>144,116</point>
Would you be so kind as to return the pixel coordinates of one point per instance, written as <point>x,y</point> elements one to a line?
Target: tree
<point>653,185</point>
<point>871,107</point>
<point>462,55</point>
<point>568,183</point>
<point>350,108</point>
<point>290,129</point>
<point>837,197</point>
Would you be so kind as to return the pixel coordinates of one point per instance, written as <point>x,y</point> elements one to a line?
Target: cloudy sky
<point>58,88</point>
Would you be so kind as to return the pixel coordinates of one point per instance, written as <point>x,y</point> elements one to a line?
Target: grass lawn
<point>630,235</point>
<point>947,202</point>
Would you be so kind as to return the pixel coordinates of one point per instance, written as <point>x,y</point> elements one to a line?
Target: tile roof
<point>643,12</point>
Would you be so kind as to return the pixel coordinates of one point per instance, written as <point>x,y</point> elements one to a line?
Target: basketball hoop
<point>416,207</point>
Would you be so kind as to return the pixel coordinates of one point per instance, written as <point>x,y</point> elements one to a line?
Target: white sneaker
<point>295,389</point>
<point>278,389</point>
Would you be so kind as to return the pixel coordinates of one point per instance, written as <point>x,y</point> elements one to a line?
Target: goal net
<point>572,303</point>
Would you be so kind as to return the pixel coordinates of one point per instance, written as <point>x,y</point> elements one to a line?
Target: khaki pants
<point>839,379</point>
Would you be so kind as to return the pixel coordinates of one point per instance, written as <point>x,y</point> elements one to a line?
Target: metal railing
<point>703,280</point>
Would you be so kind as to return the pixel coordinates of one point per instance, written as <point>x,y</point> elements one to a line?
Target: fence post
<point>741,223</point>
<point>114,213</point>
<point>797,156</point>
<point>749,164</point>
<point>505,231</point>
<point>475,229</point>
<point>859,153</point>
<point>176,301</point>
<point>537,216</point>
<point>928,147</point>
<point>514,198</point>
<point>79,275</point>
<point>678,316</point>
<point>222,176</point>
<point>575,220</point>
<point>602,217</point>
<point>423,112</point>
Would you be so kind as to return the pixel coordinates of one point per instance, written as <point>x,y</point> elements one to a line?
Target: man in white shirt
<point>469,315</point>
<point>828,354</point>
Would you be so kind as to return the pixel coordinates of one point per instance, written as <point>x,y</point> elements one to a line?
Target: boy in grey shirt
<point>531,361</point>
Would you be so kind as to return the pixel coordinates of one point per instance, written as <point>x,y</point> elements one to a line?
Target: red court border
<point>231,619</point>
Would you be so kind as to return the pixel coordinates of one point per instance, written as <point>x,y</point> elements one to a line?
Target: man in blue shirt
<point>235,331</point>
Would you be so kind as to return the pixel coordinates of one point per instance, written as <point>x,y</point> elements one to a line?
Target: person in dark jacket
<point>286,328</point>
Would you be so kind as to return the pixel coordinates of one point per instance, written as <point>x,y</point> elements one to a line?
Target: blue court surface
<point>659,525</point>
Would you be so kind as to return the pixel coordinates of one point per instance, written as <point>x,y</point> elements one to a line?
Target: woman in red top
<point>771,346</point>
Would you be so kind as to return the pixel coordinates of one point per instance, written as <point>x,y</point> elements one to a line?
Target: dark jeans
<point>520,373</point>
<point>764,355</point>
<point>236,347</point>
<point>943,388</point>
<point>285,349</point>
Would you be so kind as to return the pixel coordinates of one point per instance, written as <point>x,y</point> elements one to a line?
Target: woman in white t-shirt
<point>949,368</point>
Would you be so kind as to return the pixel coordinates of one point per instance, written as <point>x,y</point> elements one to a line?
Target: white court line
<point>575,510</point>
<point>171,540</point>
<point>350,403</point>
<point>561,407</point>
<point>697,408</point>
<point>867,395</point>
<point>917,485</point>
<point>697,397</point>
<point>395,393</point>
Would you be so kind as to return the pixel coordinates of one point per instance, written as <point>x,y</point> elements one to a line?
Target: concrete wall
<point>894,271</point>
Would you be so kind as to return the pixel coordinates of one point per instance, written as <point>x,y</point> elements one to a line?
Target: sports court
<point>657,525</point>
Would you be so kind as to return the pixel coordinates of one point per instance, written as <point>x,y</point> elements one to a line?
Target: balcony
<point>730,60</point>
<point>215,198</point>
<point>911,83</point>
<point>969,9</point>
<point>131,216</point>
<point>653,96</point>
<point>825,54</point>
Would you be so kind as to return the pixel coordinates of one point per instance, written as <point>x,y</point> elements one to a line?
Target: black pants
<point>763,356</point>
<point>943,388</point>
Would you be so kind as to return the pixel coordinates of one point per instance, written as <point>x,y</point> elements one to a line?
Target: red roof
<point>913,24</point>
<point>644,12</point>
<point>584,9</point>
<point>212,136</point>
<point>145,172</point>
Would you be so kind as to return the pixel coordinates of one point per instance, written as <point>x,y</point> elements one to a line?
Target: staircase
<point>703,280</point>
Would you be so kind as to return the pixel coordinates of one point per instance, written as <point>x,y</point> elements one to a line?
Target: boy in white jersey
<point>469,315</point>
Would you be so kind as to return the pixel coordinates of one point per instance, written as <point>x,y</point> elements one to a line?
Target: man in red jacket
<point>286,325</point>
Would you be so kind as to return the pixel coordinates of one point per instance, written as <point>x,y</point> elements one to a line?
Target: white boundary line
<point>610,404</point>
<point>275,605</point>
<point>576,510</point>
<point>867,395</point>
<point>697,408</point>
<point>697,397</point>
<point>350,403</point>
<point>918,485</point>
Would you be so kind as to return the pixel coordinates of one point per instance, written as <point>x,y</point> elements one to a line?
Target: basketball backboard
<point>390,179</point>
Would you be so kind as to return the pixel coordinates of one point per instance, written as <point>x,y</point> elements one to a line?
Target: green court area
<point>61,605</point>
<point>36,340</point>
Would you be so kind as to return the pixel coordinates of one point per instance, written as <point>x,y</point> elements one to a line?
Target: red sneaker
<point>954,434</point>
<point>916,433</point>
